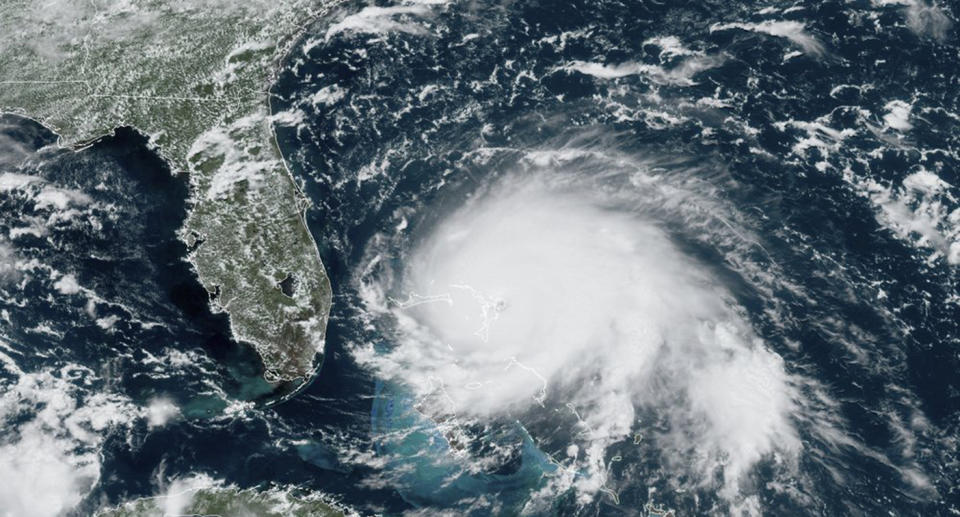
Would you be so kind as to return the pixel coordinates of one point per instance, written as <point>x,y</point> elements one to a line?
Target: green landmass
<point>193,75</point>
<point>228,502</point>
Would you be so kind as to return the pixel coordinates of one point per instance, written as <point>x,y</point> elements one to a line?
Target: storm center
<point>535,298</point>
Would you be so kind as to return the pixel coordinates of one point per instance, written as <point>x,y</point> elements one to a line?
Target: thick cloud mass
<point>545,294</point>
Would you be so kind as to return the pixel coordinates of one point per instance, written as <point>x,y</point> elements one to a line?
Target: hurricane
<point>559,298</point>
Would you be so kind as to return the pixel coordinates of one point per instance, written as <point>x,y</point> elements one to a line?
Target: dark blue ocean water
<point>424,115</point>
<point>407,115</point>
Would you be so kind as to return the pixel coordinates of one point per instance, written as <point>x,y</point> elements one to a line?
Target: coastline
<point>256,230</point>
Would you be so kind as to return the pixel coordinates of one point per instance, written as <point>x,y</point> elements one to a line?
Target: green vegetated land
<point>225,501</point>
<point>193,75</point>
